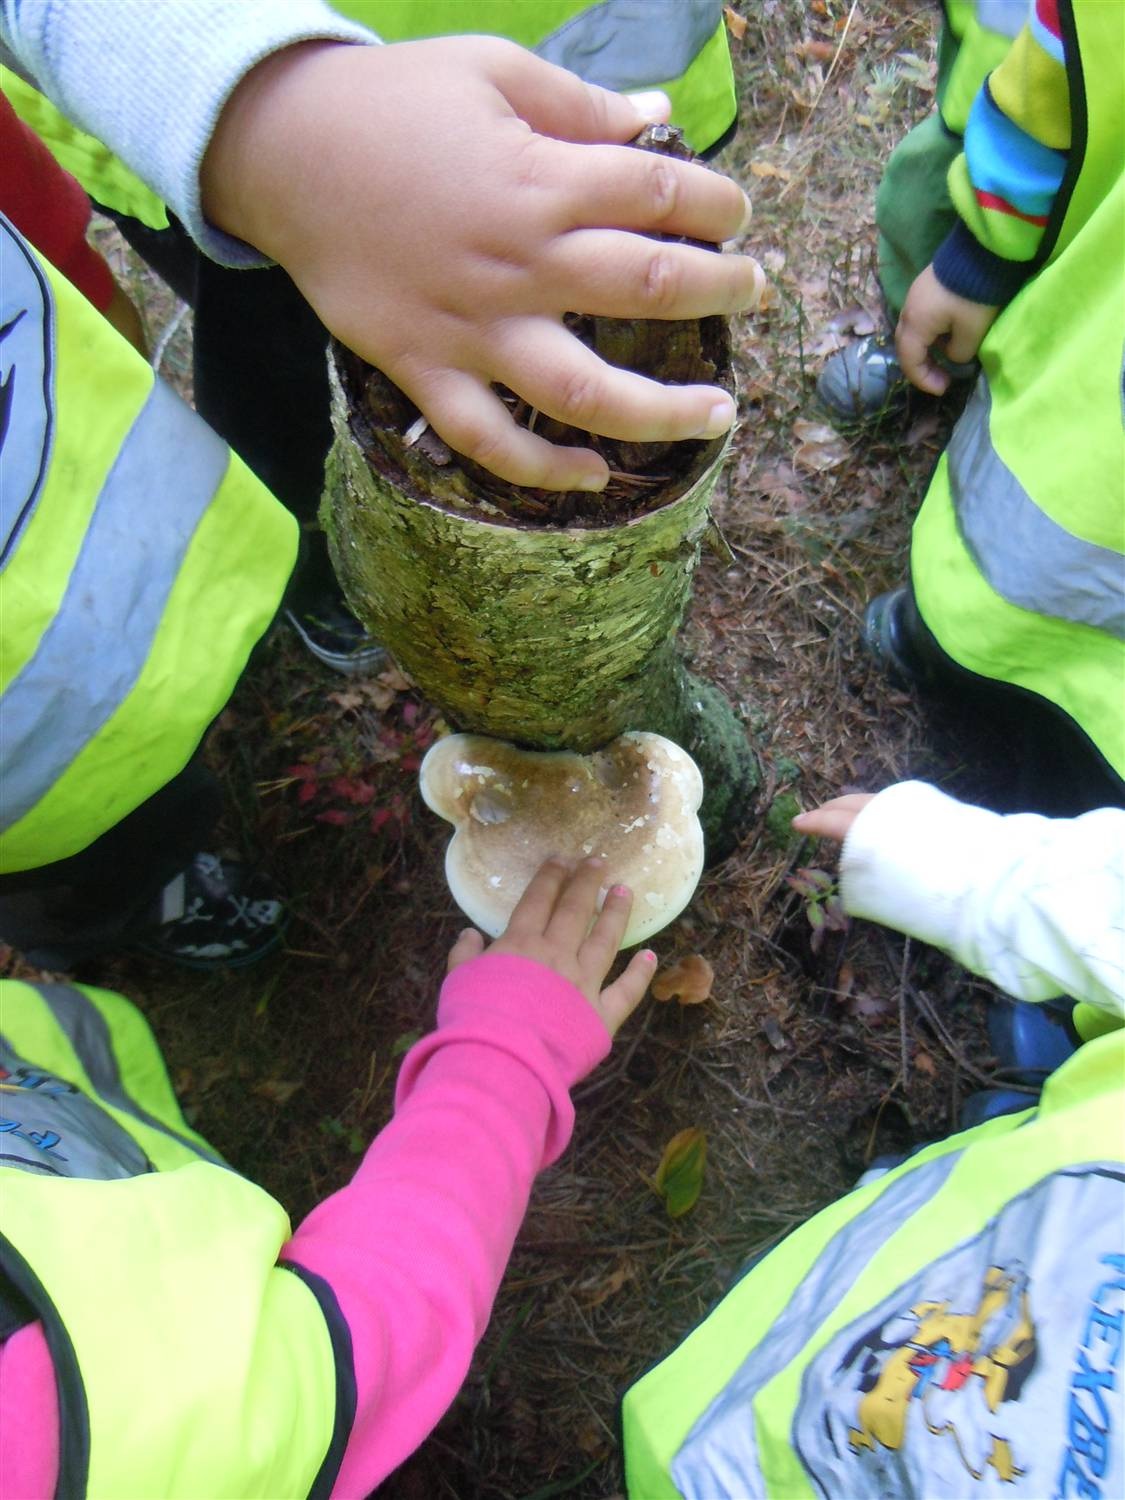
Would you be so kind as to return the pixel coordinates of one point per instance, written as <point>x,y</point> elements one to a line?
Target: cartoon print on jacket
<point>994,1365</point>
<point>939,1356</point>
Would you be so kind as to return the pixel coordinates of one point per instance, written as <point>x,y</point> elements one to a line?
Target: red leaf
<point>336,816</point>
<point>306,792</point>
<point>411,762</point>
<point>410,714</point>
<point>352,789</point>
<point>380,818</point>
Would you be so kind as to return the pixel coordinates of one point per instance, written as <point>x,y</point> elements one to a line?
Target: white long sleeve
<point>1035,904</point>
<point>150,78</point>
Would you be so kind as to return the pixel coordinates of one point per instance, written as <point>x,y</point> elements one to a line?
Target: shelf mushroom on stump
<point>633,804</point>
<point>544,619</point>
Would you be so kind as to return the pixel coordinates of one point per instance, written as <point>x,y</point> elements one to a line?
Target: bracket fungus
<point>633,803</point>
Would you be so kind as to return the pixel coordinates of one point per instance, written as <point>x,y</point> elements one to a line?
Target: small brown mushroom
<point>633,804</point>
<point>689,981</point>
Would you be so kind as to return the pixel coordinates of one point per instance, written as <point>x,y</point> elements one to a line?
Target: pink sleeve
<point>29,1417</point>
<point>415,1246</point>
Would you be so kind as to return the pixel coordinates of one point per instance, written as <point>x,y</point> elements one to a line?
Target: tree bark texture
<point>550,637</point>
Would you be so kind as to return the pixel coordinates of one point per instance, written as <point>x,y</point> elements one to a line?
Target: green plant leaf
<point>679,1177</point>
<point>404,1042</point>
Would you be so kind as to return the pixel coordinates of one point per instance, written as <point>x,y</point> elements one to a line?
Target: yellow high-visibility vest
<point>140,561</point>
<point>1018,552</point>
<point>187,1362</point>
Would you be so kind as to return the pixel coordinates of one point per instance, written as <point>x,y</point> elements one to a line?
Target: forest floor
<point>802,1064</point>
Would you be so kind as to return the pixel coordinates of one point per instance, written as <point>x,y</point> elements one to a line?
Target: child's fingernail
<point>620,890</point>
<point>719,419</point>
<point>648,955</point>
<point>652,106</point>
<point>747,216</point>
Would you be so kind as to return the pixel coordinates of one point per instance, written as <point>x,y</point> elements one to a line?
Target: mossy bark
<point>551,637</point>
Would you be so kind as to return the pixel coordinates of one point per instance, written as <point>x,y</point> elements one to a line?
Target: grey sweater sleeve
<point>150,78</point>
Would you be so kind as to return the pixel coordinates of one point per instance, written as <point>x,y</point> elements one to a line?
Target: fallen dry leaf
<point>855,320</point>
<point>736,24</point>
<point>828,343</point>
<point>397,681</point>
<point>815,50</point>
<point>277,1091</point>
<point>689,981</point>
<point>813,432</point>
<point>769,299</point>
<point>767,169</point>
<point>863,1004</point>
<point>819,447</point>
<point>600,1288</point>
<point>925,427</point>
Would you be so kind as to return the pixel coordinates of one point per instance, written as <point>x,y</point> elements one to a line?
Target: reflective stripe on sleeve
<point>90,656</point>
<point>1028,558</point>
<point>631,44</point>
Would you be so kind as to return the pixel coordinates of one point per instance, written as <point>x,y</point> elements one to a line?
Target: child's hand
<point>442,204</point>
<point>833,819</point>
<point>551,924</point>
<point>932,316</point>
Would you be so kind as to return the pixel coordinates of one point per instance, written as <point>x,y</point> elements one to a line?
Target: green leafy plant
<point>679,1177</point>
<point>823,908</point>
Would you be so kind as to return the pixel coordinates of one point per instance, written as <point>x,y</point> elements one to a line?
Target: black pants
<point>103,896</point>
<point>1030,755</point>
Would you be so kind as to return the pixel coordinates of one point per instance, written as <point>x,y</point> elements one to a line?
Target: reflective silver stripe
<point>1007,17</point>
<point>633,44</point>
<point>1028,558</point>
<point>821,1290</point>
<point>86,1030</point>
<point>27,340</point>
<point>90,656</point>
<point>53,1129</point>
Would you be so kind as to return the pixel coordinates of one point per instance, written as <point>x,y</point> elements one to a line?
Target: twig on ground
<point>743,1099</point>
<point>926,1006</point>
